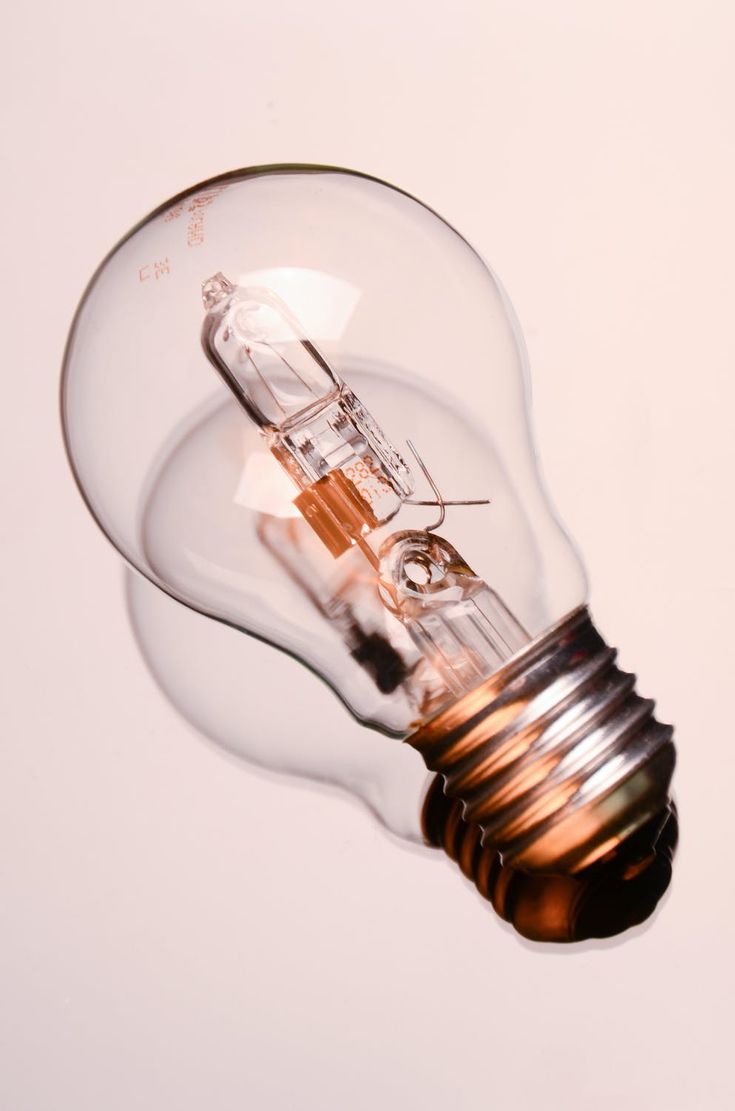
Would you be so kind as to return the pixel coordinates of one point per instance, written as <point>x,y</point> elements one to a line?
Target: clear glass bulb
<point>296,400</point>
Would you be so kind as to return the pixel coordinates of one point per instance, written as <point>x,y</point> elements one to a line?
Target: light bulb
<point>357,485</point>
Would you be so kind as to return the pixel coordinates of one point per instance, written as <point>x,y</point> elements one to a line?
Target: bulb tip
<point>215,289</point>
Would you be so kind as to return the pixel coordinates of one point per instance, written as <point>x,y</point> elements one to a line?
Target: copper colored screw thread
<point>555,757</point>
<point>603,900</point>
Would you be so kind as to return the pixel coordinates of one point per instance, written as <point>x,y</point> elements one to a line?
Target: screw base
<point>605,899</point>
<point>555,757</point>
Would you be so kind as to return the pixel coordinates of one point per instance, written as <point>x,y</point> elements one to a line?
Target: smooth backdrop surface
<point>177,932</point>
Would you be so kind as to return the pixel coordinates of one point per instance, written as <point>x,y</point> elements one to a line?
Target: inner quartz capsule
<point>352,481</point>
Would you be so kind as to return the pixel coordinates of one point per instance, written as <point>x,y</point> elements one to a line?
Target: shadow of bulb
<point>295,399</point>
<point>242,695</point>
<point>230,688</point>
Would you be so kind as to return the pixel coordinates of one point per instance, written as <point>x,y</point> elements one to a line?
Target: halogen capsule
<point>351,477</point>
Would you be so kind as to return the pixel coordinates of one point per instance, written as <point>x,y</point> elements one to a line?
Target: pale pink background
<point>179,933</point>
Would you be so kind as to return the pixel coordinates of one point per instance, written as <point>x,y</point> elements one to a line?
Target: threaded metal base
<point>555,757</point>
<point>610,896</point>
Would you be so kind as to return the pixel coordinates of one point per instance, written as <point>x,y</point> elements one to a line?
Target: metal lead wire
<point>440,501</point>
